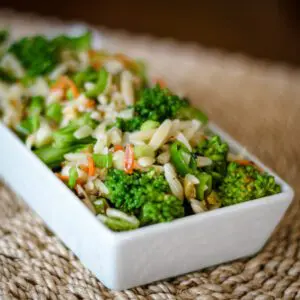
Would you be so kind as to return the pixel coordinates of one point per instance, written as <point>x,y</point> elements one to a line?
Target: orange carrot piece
<point>79,181</point>
<point>125,60</point>
<point>136,166</point>
<point>160,82</point>
<point>63,83</point>
<point>90,103</point>
<point>129,159</point>
<point>84,168</point>
<point>92,53</point>
<point>91,166</point>
<point>118,147</point>
<point>244,162</point>
<point>96,59</point>
<point>62,177</point>
<point>72,86</point>
<point>97,65</point>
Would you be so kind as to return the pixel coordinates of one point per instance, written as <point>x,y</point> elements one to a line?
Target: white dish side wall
<point>61,210</point>
<point>124,260</point>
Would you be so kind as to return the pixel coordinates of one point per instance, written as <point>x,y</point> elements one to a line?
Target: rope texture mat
<point>255,101</point>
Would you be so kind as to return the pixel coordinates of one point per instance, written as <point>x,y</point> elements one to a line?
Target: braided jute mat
<point>256,102</point>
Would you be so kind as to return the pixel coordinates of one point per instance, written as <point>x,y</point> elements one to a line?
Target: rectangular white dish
<point>128,259</point>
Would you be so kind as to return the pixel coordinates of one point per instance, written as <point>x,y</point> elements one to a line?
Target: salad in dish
<point>131,149</point>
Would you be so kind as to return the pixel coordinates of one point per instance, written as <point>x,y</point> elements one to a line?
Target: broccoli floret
<point>154,104</point>
<point>39,55</point>
<point>129,125</point>
<point>3,36</point>
<point>36,54</point>
<point>130,192</point>
<point>243,183</point>
<point>163,209</point>
<point>53,157</point>
<point>217,151</point>
<point>64,136</point>
<point>213,148</point>
<point>76,43</point>
<point>6,76</point>
<point>88,75</point>
<point>144,194</point>
<point>158,104</point>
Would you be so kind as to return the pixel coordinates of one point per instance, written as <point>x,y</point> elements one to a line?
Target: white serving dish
<point>128,259</point>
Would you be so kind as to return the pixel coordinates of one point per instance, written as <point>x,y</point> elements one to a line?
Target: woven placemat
<point>257,102</point>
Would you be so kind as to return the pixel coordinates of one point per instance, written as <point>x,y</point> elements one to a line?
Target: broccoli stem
<point>65,136</point>
<point>89,75</point>
<point>7,76</point>
<point>103,160</point>
<point>62,140</point>
<point>179,154</point>
<point>100,206</point>
<point>100,84</point>
<point>116,224</point>
<point>54,112</point>
<point>149,124</point>
<point>77,43</point>
<point>205,185</point>
<point>73,175</point>
<point>3,36</point>
<point>190,113</point>
<point>53,157</point>
<point>143,150</point>
<point>36,106</point>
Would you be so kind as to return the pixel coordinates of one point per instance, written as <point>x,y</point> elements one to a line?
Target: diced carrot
<point>96,59</point>
<point>125,60</point>
<point>91,166</point>
<point>80,181</point>
<point>136,166</point>
<point>92,53</point>
<point>160,82</point>
<point>14,103</point>
<point>118,147</point>
<point>88,149</point>
<point>84,168</point>
<point>62,177</point>
<point>129,159</point>
<point>90,103</point>
<point>63,83</point>
<point>97,65</point>
<point>244,162</point>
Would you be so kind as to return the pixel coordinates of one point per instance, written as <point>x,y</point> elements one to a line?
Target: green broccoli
<point>217,151</point>
<point>158,104</point>
<point>39,55</point>
<point>88,75</point>
<point>75,43</point>
<point>7,76</point>
<point>144,194</point>
<point>32,122</point>
<point>163,209</point>
<point>243,183</point>
<point>64,137</point>
<point>53,157</point>
<point>117,224</point>
<point>130,124</point>
<point>3,36</point>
